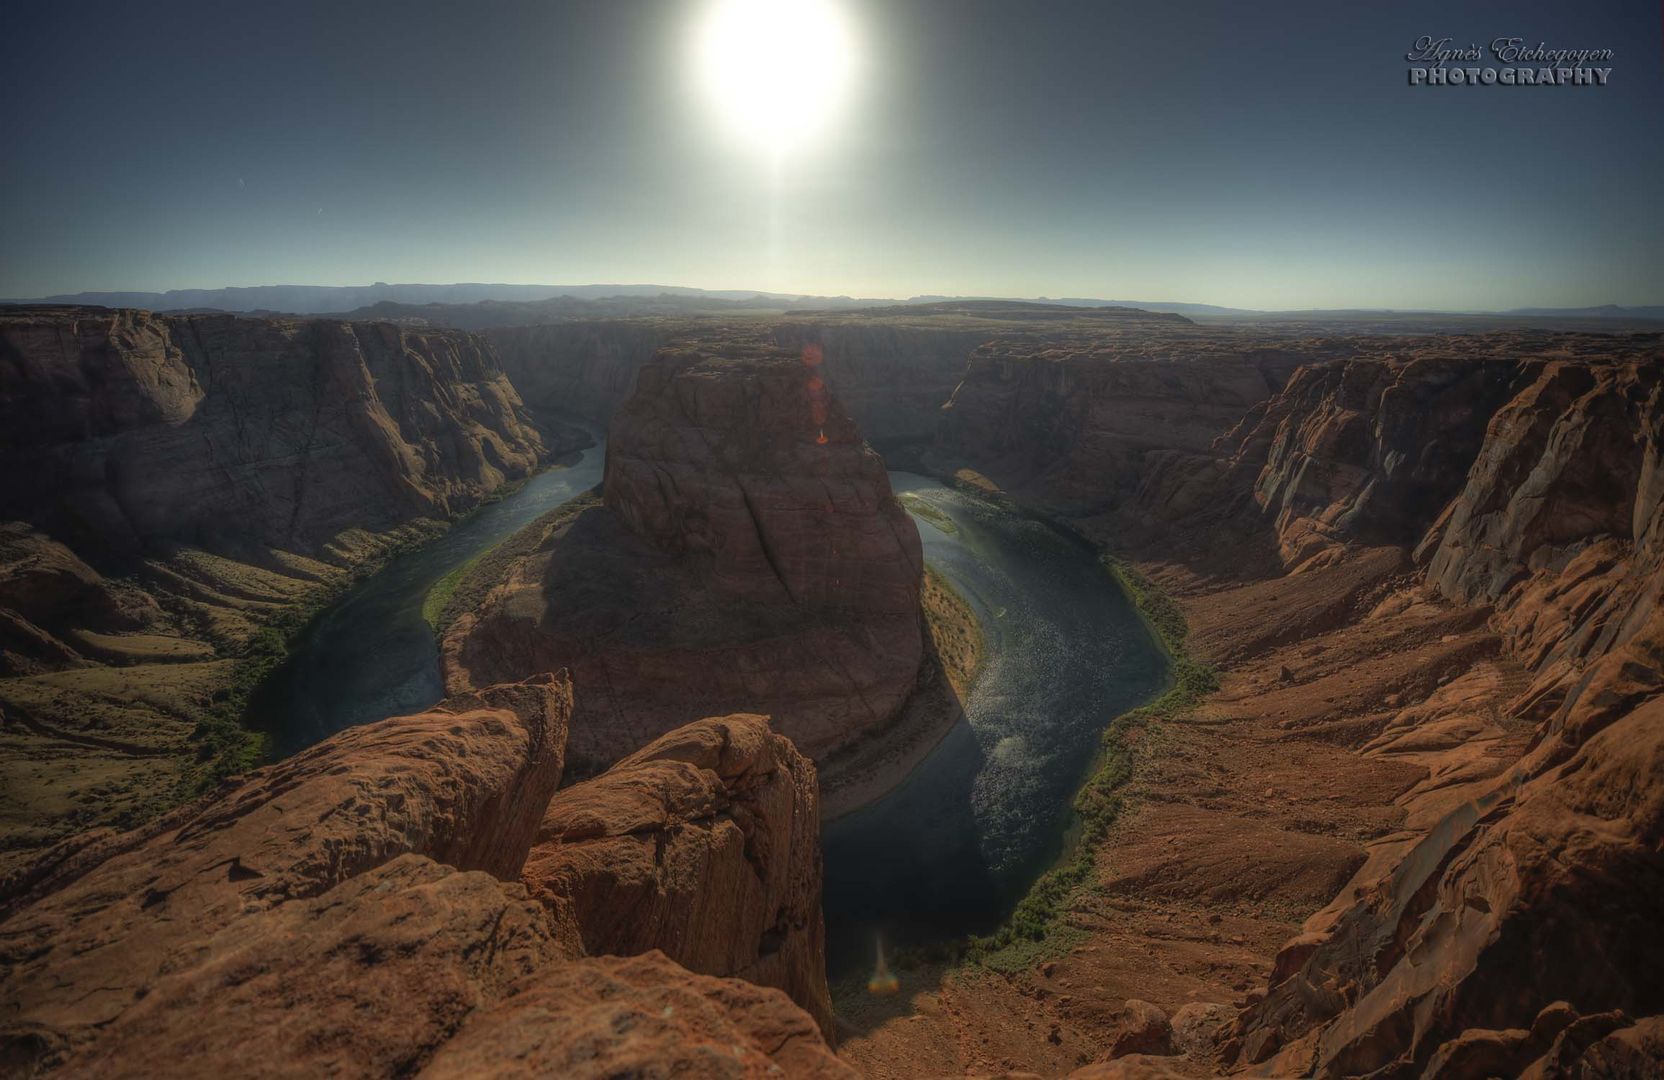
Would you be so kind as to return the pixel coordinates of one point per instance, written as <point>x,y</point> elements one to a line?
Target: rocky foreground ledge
<point>411,897</point>
<point>749,554</point>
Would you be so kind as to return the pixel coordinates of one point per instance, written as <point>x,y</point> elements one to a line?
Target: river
<point>371,654</point>
<point>946,853</point>
<point>953,849</point>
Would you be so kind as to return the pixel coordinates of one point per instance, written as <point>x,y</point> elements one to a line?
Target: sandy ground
<point>1245,819</point>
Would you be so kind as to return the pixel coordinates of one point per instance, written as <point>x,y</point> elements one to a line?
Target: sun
<point>775,70</point>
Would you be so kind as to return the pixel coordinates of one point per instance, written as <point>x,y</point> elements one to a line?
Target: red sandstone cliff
<point>1075,423</point>
<point>174,484</point>
<point>355,910</point>
<point>704,845</point>
<point>1437,733</point>
<point>749,555</point>
<point>1539,890</point>
<point>581,366</point>
<point>122,427</point>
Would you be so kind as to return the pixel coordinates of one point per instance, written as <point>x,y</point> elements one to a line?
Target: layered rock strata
<point>1422,809</point>
<point>704,845</point>
<point>749,555</point>
<point>1534,890</point>
<point>175,484</point>
<point>1076,423</point>
<point>355,910</point>
<point>123,428</point>
<point>893,368</point>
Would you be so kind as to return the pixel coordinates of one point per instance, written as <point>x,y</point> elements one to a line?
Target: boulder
<point>704,845</point>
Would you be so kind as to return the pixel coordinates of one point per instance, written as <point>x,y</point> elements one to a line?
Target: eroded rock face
<point>704,845</point>
<point>1503,489</point>
<point>176,484</point>
<point>366,979</point>
<point>892,379</point>
<point>751,468</point>
<point>86,936</point>
<point>1533,887</point>
<point>1076,425</point>
<point>1511,901</point>
<point>639,1016</point>
<point>739,562</point>
<point>47,594</point>
<point>355,910</point>
<point>123,427</point>
<point>1372,449</point>
<point>579,366</point>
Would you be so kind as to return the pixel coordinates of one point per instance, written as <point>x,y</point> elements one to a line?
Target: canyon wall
<point>177,484</point>
<point>892,378</point>
<point>582,367</point>
<point>749,555</point>
<point>1075,424</point>
<point>1429,573</point>
<point>356,909</point>
<point>1529,904</point>
<point>892,368</point>
<point>124,428</point>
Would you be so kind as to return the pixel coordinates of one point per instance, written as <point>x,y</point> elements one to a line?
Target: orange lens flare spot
<point>882,983</point>
<point>815,384</point>
<point>812,356</point>
<point>821,439</point>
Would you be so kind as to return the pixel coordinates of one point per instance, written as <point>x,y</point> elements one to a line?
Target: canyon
<point>1424,573</point>
<point>359,908</point>
<point>1399,816</point>
<point>179,486</point>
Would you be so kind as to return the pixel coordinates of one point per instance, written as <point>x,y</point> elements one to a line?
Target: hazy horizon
<point>587,291</point>
<point>1214,155</point>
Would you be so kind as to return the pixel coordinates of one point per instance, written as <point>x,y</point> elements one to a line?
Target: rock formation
<point>123,428</point>
<point>1535,890</point>
<point>749,555</point>
<point>174,485</point>
<point>893,368</point>
<point>581,366</point>
<point>1076,423</point>
<point>713,825</point>
<point>1429,573</point>
<point>893,376</point>
<point>354,910</point>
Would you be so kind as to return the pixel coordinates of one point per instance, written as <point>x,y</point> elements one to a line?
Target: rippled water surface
<point>952,850</point>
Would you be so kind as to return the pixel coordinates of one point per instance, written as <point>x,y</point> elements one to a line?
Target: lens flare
<point>882,983</point>
<point>816,388</point>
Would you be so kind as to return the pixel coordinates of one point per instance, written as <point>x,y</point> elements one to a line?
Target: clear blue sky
<point>1262,155</point>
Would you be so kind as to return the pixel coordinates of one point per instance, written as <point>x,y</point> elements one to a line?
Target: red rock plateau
<point>1417,829</point>
<point>892,367</point>
<point>175,484</point>
<point>749,554</point>
<point>405,898</point>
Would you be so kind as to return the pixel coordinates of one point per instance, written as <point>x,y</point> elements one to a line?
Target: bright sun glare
<point>775,69</point>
